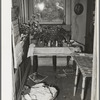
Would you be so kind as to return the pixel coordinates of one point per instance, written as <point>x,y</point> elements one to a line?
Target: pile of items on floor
<point>39,91</point>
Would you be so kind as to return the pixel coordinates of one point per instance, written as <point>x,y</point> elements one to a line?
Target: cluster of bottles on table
<point>50,43</point>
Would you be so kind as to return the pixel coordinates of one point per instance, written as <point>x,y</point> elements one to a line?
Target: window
<point>50,11</point>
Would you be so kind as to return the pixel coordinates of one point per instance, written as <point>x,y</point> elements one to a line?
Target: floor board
<point>64,84</point>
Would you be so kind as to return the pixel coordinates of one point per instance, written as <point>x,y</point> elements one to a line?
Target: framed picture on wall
<point>78,9</point>
<point>50,11</point>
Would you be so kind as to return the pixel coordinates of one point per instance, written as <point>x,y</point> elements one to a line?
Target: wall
<point>26,10</point>
<point>68,12</point>
<point>15,2</point>
<point>14,10</point>
<point>30,8</point>
<point>79,22</point>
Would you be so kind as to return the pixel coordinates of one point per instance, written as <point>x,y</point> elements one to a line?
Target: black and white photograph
<point>54,50</point>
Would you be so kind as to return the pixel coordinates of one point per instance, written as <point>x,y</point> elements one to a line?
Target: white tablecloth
<point>50,51</point>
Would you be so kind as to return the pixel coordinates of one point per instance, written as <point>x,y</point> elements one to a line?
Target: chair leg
<point>83,88</point>
<point>76,81</point>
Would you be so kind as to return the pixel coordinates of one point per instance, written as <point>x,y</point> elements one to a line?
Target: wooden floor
<point>64,84</point>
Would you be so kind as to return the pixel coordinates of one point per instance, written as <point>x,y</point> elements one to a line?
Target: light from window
<point>50,10</point>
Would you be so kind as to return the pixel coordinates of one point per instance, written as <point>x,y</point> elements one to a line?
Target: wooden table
<point>84,64</point>
<point>34,52</point>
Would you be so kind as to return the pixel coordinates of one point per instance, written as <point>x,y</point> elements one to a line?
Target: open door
<point>94,93</point>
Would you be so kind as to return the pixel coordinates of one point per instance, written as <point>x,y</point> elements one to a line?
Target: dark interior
<point>73,22</point>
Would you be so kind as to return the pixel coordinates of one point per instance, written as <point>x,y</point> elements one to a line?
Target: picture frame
<point>78,9</point>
